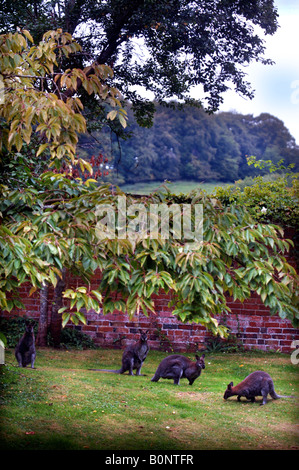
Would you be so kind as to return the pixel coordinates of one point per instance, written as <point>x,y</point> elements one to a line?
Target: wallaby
<point>25,350</point>
<point>257,383</point>
<point>178,367</point>
<point>133,356</point>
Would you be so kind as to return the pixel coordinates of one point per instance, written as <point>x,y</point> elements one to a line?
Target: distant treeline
<point>190,144</point>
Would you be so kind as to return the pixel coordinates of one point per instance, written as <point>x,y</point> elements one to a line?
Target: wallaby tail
<point>275,396</point>
<point>107,370</point>
<point>285,396</point>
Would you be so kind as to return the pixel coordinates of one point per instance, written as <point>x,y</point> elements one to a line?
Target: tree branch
<point>114,39</point>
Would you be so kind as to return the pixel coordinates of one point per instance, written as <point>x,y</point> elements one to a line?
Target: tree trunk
<point>43,316</point>
<point>56,318</point>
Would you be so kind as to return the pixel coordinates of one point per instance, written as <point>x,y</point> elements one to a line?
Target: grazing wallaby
<point>256,384</point>
<point>179,367</point>
<point>25,350</point>
<point>133,356</point>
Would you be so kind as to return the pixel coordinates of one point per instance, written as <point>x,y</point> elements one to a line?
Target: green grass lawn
<point>175,187</point>
<point>63,405</point>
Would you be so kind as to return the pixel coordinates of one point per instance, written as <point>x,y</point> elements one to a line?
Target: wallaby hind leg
<point>19,359</point>
<point>138,370</point>
<point>131,365</point>
<point>33,356</point>
<point>177,374</point>
<point>264,395</point>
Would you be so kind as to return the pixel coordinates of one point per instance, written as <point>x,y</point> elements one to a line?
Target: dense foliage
<point>36,109</point>
<point>237,256</point>
<point>274,201</point>
<point>167,47</point>
<point>13,328</point>
<point>189,144</point>
<point>49,219</point>
<point>39,129</point>
<point>268,201</point>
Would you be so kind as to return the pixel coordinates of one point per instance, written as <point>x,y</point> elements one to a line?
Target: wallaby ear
<point>230,385</point>
<point>199,358</point>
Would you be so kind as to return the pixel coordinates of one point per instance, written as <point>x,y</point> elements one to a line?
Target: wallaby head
<point>228,392</point>
<point>143,335</point>
<point>200,361</point>
<point>28,326</point>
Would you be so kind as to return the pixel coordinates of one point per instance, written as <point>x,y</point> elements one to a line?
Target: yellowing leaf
<point>18,141</point>
<point>28,35</point>
<point>122,120</point>
<point>32,290</point>
<point>112,115</point>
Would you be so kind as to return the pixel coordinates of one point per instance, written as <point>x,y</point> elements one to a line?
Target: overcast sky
<point>276,86</point>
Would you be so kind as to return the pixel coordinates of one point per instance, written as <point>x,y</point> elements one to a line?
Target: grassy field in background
<point>176,187</point>
<point>62,405</point>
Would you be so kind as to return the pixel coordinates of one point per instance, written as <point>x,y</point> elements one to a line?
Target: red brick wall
<point>250,322</point>
<point>257,329</point>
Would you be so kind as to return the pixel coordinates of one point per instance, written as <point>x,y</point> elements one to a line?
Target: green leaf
<point>3,340</point>
<point>41,149</point>
<point>207,279</point>
<point>62,309</point>
<point>81,317</point>
<point>65,319</point>
<point>98,295</point>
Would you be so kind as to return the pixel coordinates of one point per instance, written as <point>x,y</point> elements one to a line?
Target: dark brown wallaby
<point>179,367</point>
<point>133,356</point>
<point>256,384</point>
<point>25,350</point>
